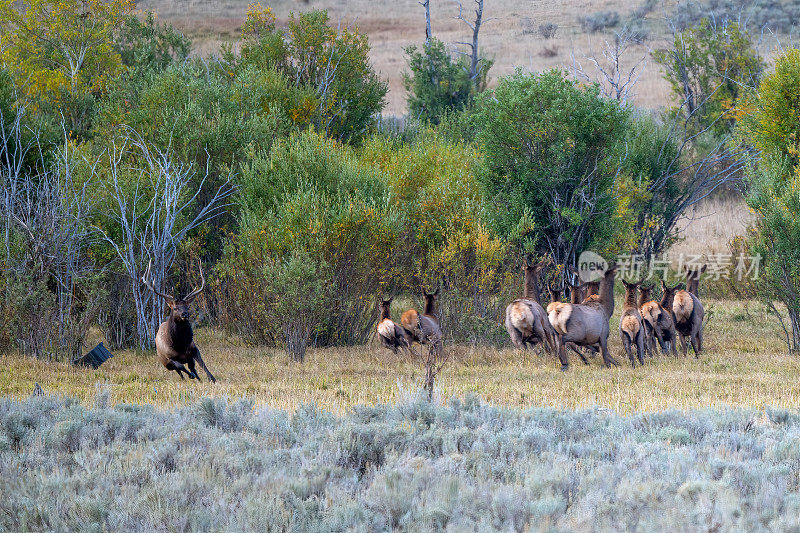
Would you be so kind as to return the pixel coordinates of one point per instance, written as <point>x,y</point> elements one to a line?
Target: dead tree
<point>615,80</point>
<point>475,59</point>
<point>46,235</point>
<point>150,216</point>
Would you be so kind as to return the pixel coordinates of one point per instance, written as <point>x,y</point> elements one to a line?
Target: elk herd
<point>581,324</point>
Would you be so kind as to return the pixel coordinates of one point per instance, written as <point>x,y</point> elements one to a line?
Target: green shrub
<point>438,84</point>
<point>551,164</point>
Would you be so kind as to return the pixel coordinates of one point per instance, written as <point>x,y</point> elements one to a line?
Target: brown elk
<point>175,345</point>
<point>526,319</point>
<point>631,329</point>
<point>665,325</point>
<point>555,303</point>
<point>391,335</point>
<point>424,328</point>
<point>650,312</point>
<point>688,312</point>
<point>587,324</point>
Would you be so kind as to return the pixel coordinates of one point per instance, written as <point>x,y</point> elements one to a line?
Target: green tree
<point>550,150</point>
<point>147,45</point>
<point>61,53</point>
<point>438,83</point>
<point>770,122</point>
<point>709,68</point>
<point>330,64</point>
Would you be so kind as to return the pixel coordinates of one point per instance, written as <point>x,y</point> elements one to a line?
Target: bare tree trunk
<point>474,64</point>
<point>428,33</point>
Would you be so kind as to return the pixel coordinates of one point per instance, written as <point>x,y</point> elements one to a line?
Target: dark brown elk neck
<point>667,298</point>
<point>592,287</point>
<point>554,296</point>
<point>644,296</point>
<point>692,284</point>
<point>430,306</point>
<point>630,298</point>
<point>385,312</point>
<point>606,294</point>
<point>531,288</point>
<point>180,334</point>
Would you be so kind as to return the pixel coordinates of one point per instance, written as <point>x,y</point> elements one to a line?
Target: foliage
<point>308,200</point>
<point>61,53</point>
<point>710,67</point>
<point>551,165</point>
<point>331,66</point>
<point>148,45</point>
<point>770,123</point>
<point>776,16</point>
<point>439,84</point>
<point>464,466</point>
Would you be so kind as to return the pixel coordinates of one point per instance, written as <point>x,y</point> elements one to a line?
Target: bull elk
<point>526,319</point>
<point>587,324</point>
<point>631,329</point>
<point>390,333</point>
<point>175,345</point>
<point>424,328</point>
<point>689,312</point>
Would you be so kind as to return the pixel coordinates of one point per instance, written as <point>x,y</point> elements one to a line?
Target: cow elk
<point>175,345</point>
<point>424,328</point>
<point>526,319</point>
<point>650,312</point>
<point>390,333</point>
<point>665,325</point>
<point>587,324</point>
<point>631,329</point>
<point>688,313</point>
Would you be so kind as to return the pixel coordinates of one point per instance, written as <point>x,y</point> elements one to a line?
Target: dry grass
<point>393,25</point>
<point>708,227</point>
<point>744,365</point>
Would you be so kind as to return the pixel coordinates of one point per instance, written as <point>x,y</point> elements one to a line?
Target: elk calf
<point>688,313</point>
<point>392,336</point>
<point>424,328</point>
<point>175,345</point>
<point>631,329</point>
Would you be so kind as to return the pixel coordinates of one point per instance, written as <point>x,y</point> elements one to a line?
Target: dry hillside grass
<point>394,24</point>
<point>511,37</point>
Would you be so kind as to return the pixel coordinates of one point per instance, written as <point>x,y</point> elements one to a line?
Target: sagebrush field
<point>224,465</point>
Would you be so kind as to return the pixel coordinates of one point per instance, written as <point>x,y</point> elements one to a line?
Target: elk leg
<point>190,364</point>
<point>607,359</point>
<point>196,356</point>
<point>516,338</point>
<point>700,339</point>
<point>561,353</point>
<point>574,348</point>
<point>626,344</point>
<point>695,343</point>
<point>640,347</point>
<point>684,346</point>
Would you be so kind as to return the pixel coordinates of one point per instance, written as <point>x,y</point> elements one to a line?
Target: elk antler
<point>145,280</point>
<point>191,295</point>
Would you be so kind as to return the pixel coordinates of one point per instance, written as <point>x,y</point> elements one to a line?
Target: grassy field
<point>744,365</point>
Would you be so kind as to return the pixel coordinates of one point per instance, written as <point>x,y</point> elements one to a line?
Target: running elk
<point>689,312</point>
<point>392,336</point>
<point>175,345</point>
<point>424,328</point>
<point>631,329</point>
<point>526,319</point>
<point>586,324</point>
